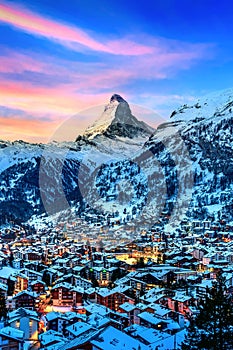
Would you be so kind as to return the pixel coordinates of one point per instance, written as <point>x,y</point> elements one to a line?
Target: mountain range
<point>123,168</point>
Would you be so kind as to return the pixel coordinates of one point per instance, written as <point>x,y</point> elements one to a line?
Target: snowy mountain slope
<point>36,177</point>
<point>118,167</point>
<point>209,106</point>
<point>206,129</point>
<point>19,189</point>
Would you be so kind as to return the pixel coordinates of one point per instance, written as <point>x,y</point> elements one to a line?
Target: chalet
<point>66,295</point>
<point>5,273</point>
<point>56,321</point>
<point>132,311</point>
<point>21,282</point>
<point>25,320</point>
<point>82,282</point>
<point>68,278</point>
<point>113,298</point>
<point>53,274</point>
<point>25,299</point>
<point>203,287</point>
<point>150,320</point>
<point>32,274</point>
<point>180,303</point>
<point>38,286</point>
<point>59,322</point>
<point>32,256</point>
<point>103,275</point>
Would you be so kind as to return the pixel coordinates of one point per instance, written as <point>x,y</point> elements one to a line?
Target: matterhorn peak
<point>117,121</point>
<point>117,98</point>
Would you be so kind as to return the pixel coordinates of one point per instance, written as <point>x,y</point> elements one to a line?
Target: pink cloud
<point>58,101</point>
<point>15,62</point>
<point>170,57</point>
<point>77,84</point>
<point>66,34</point>
<point>48,108</point>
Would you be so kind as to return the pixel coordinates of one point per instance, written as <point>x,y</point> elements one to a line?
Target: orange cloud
<point>45,109</point>
<point>62,99</point>
<point>28,130</point>
<point>67,35</point>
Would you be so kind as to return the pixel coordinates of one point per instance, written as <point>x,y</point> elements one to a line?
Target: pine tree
<point>94,282</point>
<point>10,286</point>
<point>140,262</point>
<point>46,278</point>
<point>213,327</point>
<point>193,337</point>
<point>11,259</point>
<point>116,275</point>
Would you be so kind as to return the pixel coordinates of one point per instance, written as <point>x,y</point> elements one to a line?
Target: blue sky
<point>58,58</point>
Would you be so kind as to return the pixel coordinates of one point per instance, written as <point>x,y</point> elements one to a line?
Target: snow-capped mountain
<point>119,167</point>
<point>37,178</point>
<point>117,121</point>
<point>116,132</point>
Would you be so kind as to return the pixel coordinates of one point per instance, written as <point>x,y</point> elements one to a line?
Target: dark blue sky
<point>59,57</point>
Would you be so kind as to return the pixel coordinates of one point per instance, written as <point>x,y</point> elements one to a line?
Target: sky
<point>59,58</point>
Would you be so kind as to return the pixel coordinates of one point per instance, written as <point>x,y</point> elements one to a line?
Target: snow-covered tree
<point>193,338</point>
<point>213,326</point>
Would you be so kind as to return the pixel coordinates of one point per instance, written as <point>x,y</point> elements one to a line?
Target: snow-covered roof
<point>151,318</point>
<point>53,315</point>
<point>181,296</point>
<point>22,312</point>
<point>63,285</point>
<point>30,294</point>
<point>97,321</point>
<point>159,310</point>
<point>6,272</point>
<point>79,328</point>
<point>97,308</point>
<point>113,339</point>
<point>51,336</point>
<point>12,333</point>
<point>127,307</point>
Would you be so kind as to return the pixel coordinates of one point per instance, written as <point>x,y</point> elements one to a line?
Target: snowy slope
<point>209,106</point>
<point>206,129</point>
<point>102,123</point>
